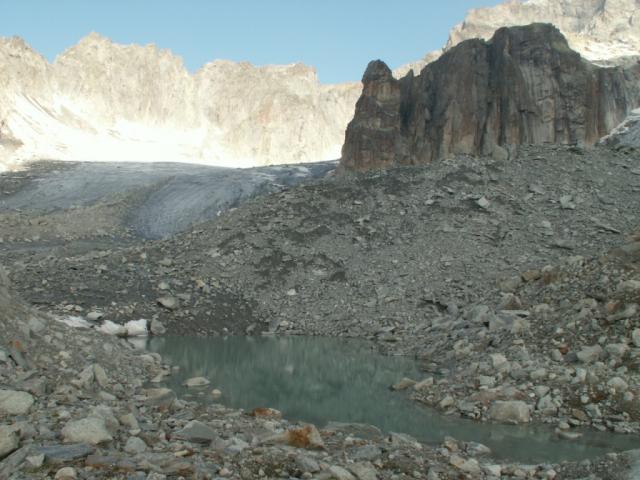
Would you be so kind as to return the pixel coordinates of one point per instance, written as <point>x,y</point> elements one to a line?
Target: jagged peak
<point>376,71</point>
<point>296,69</point>
<point>18,45</point>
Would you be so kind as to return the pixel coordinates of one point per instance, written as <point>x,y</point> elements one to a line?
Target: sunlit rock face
<point>605,32</point>
<point>103,101</point>
<point>627,134</point>
<point>524,86</point>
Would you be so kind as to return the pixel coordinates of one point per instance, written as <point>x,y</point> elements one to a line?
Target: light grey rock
<point>9,441</point>
<point>538,374</point>
<point>617,350</point>
<point>196,382</point>
<point>170,303</point>
<point>476,449</point>
<point>105,413</point>
<point>236,445</point>
<point>513,411</point>
<point>339,473</point>
<point>404,384</point>
<point>90,430</point>
<point>482,202</point>
<point>85,378</point>
<point>94,316</point>
<point>363,471</point>
<point>566,202</point>
<point>403,440</point>
<point>367,452</point>
<point>100,376</point>
<point>307,464</point>
<point>35,461</point>
<point>130,421</point>
<point>423,384</point>
<point>590,354</point>
<point>157,328</point>
<point>14,402</point>
<point>135,445</point>
<point>160,397</point>
<point>196,432</point>
<point>66,473</point>
<point>547,406</point>
<point>618,384</point>
<point>470,465</point>
<point>156,476</point>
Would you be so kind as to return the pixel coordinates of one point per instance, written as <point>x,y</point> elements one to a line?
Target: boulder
<point>90,430</point>
<point>196,432</point>
<point>9,441</point>
<point>514,411</point>
<point>14,402</point>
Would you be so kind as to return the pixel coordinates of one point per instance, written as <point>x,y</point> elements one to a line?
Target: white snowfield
<point>133,328</point>
<point>99,101</point>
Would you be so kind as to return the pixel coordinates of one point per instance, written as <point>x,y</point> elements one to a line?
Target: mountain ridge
<point>99,100</point>
<point>605,32</point>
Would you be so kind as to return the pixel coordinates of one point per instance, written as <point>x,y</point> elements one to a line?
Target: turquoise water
<point>319,380</point>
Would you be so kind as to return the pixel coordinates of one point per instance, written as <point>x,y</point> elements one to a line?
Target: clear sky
<point>338,37</point>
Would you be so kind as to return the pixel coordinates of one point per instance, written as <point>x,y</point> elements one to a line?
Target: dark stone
<point>56,454</point>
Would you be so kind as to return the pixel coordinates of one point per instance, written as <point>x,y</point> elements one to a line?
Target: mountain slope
<point>602,31</point>
<point>103,101</point>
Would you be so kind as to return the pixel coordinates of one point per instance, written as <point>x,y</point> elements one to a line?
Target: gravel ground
<point>514,283</point>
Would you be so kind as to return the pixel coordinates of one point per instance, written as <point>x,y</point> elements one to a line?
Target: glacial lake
<point>319,380</point>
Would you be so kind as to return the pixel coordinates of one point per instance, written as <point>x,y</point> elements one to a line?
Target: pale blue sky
<point>338,37</point>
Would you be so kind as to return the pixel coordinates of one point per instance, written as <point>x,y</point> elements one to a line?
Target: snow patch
<point>133,328</point>
<point>74,322</point>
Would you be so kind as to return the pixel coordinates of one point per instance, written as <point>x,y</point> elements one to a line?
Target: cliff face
<point>103,101</point>
<point>525,86</point>
<point>602,31</point>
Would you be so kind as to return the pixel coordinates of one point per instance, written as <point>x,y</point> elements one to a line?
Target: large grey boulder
<point>13,402</point>
<point>196,432</point>
<point>90,430</point>
<point>510,412</point>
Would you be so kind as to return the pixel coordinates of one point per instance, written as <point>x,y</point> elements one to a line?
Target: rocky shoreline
<point>76,403</point>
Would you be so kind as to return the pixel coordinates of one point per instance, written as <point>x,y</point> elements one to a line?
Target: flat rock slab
<point>196,432</point>
<point>88,430</point>
<point>56,454</point>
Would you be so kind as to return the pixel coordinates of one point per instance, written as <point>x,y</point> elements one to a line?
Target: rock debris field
<point>515,284</point>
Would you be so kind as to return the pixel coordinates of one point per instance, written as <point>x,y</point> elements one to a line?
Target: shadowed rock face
<point>524,86</point>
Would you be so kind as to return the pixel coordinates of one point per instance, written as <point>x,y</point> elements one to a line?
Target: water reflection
<point>323,379</point>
